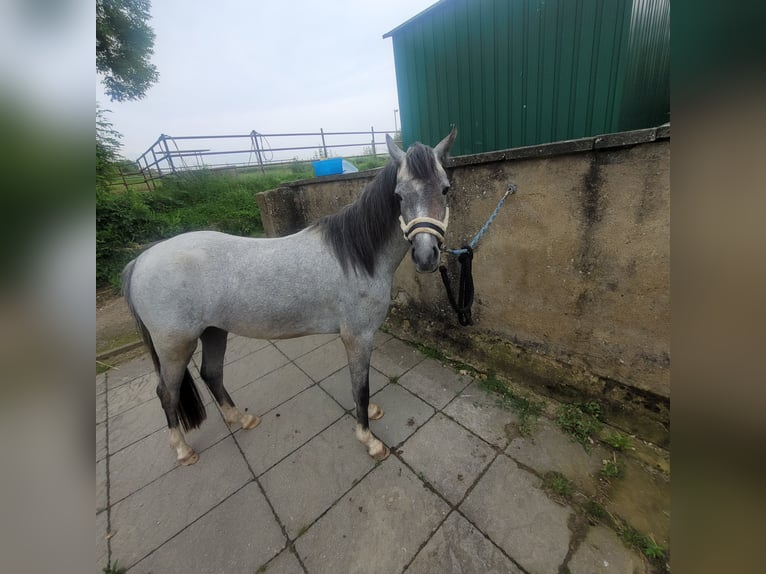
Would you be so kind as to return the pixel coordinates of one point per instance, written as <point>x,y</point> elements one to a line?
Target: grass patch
<point>432,353</point>
<point>595,511</point>
<point>558,484</point>
<point>611,469</point>
<point>113,569</point>
<point>618,441</point>
<point>581,422</point>
<point>643,543</point>
<point>393,380</point>
<point>526,409</point>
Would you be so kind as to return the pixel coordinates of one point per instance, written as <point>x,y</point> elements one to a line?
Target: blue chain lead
<point>511,189</point>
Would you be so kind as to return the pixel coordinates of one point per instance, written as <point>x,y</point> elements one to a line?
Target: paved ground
<point>462,492</point>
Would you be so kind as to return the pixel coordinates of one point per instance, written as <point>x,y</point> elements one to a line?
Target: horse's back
<point>254,287</point>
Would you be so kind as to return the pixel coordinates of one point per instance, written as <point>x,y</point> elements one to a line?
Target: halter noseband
<point>428,225</point>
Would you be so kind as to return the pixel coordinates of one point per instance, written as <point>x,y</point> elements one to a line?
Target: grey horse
<point>332,277</point>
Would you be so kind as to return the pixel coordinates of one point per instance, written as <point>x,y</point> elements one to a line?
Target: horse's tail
<point>191,410</point>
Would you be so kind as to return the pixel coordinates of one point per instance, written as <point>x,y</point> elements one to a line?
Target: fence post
<point>163,137</point>
<point>324,145</point>
<point>254,138</point>
<point>122,176</point>
<point>374,153</point>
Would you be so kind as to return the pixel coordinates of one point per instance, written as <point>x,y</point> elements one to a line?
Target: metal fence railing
<point>174,154</point>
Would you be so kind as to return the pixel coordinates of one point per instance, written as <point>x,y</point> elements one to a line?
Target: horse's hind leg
<point>180,401</point>
<point>359,350</point>
<point>213,351</point>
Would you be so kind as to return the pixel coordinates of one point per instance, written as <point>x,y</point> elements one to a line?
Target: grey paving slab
<point>102,548</point>
<point>285,563</point>
<point>339,386</point>
<point>135,392</point>
<point>294,348</point>
<point>100,441</point>
<point>129,370</point>
<point>509,505</point>
<point>448,456</point>
<point>101,411</point>
<point>380,338</point>
<point>458,547</point>
<point>478,411</point>
<point>148,518</point>
<point>394,358</point>
<point>404,414</point>
<point>549,449</point>
<point>602,551</point>
<point>434,383</point>
<point>310,480</point>
<point>238,535</point>
<point>286,428</point>
<point>101,486</point>
<point>146,460</point>
<point>135,424</point>
<point>100,383</point>
<point>238,347</point>
<point>238,373</point>
<point>271,390</point>
<point>323,361</point>
<point>376,527</point>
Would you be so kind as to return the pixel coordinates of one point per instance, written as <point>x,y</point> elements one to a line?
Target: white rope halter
<point>428,225</point>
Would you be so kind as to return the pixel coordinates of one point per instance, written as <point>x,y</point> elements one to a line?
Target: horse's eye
<point>398,197</point>
<point>445,190</point>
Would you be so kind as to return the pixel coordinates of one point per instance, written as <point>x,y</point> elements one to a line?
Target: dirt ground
<point>114,325</point>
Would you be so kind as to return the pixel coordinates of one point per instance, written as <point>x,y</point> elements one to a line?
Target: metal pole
<point>156,163</point>
<point>372,129</point>
<point>163,137</point>
<point>254,137</point>
<point>324,145</point>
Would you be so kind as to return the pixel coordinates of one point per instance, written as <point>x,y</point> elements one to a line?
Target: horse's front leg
<point>359,350</point>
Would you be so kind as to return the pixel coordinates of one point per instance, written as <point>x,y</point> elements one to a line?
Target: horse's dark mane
<point>358,231</point>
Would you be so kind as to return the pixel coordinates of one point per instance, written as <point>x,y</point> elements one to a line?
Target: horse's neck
<point>392,253</point>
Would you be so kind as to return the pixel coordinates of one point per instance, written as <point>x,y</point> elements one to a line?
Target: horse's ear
<point>443,146</point>
<point>394,151</point>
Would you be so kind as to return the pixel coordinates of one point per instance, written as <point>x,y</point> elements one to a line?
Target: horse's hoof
<point>250,422</point>
<point>382,455</point>
<point>189,459</point>
<point>374,412</point>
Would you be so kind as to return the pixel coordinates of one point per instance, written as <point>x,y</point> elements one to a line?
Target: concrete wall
<point>572,280</point>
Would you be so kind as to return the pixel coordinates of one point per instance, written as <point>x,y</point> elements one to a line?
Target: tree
<point>124,46</point>
<point>107,149</point>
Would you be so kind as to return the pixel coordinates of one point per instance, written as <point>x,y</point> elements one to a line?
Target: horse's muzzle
<point>425,253</point>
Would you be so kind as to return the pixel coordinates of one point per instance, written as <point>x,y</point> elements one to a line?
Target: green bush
<point>126,221</point>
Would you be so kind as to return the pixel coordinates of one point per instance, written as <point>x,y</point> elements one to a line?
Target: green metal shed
<point>512,73</point>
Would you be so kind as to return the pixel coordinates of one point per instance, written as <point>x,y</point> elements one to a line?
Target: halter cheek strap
<point>428,225</point>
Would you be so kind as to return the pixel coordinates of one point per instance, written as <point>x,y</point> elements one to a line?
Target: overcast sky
<point>233,66</point>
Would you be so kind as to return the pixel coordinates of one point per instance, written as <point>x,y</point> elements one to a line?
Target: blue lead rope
<point>462,305</point>
<point>475,241</point>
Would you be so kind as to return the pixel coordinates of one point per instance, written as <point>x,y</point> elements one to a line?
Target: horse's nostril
<point>436,252</point>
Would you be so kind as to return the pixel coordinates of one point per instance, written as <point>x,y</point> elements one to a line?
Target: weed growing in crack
<point>618,441</point>
<point>526,409</point>
<point>581,422</point>
<point>558,484</point>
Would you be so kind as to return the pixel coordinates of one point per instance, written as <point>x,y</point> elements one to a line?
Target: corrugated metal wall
<point>512,73</point>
